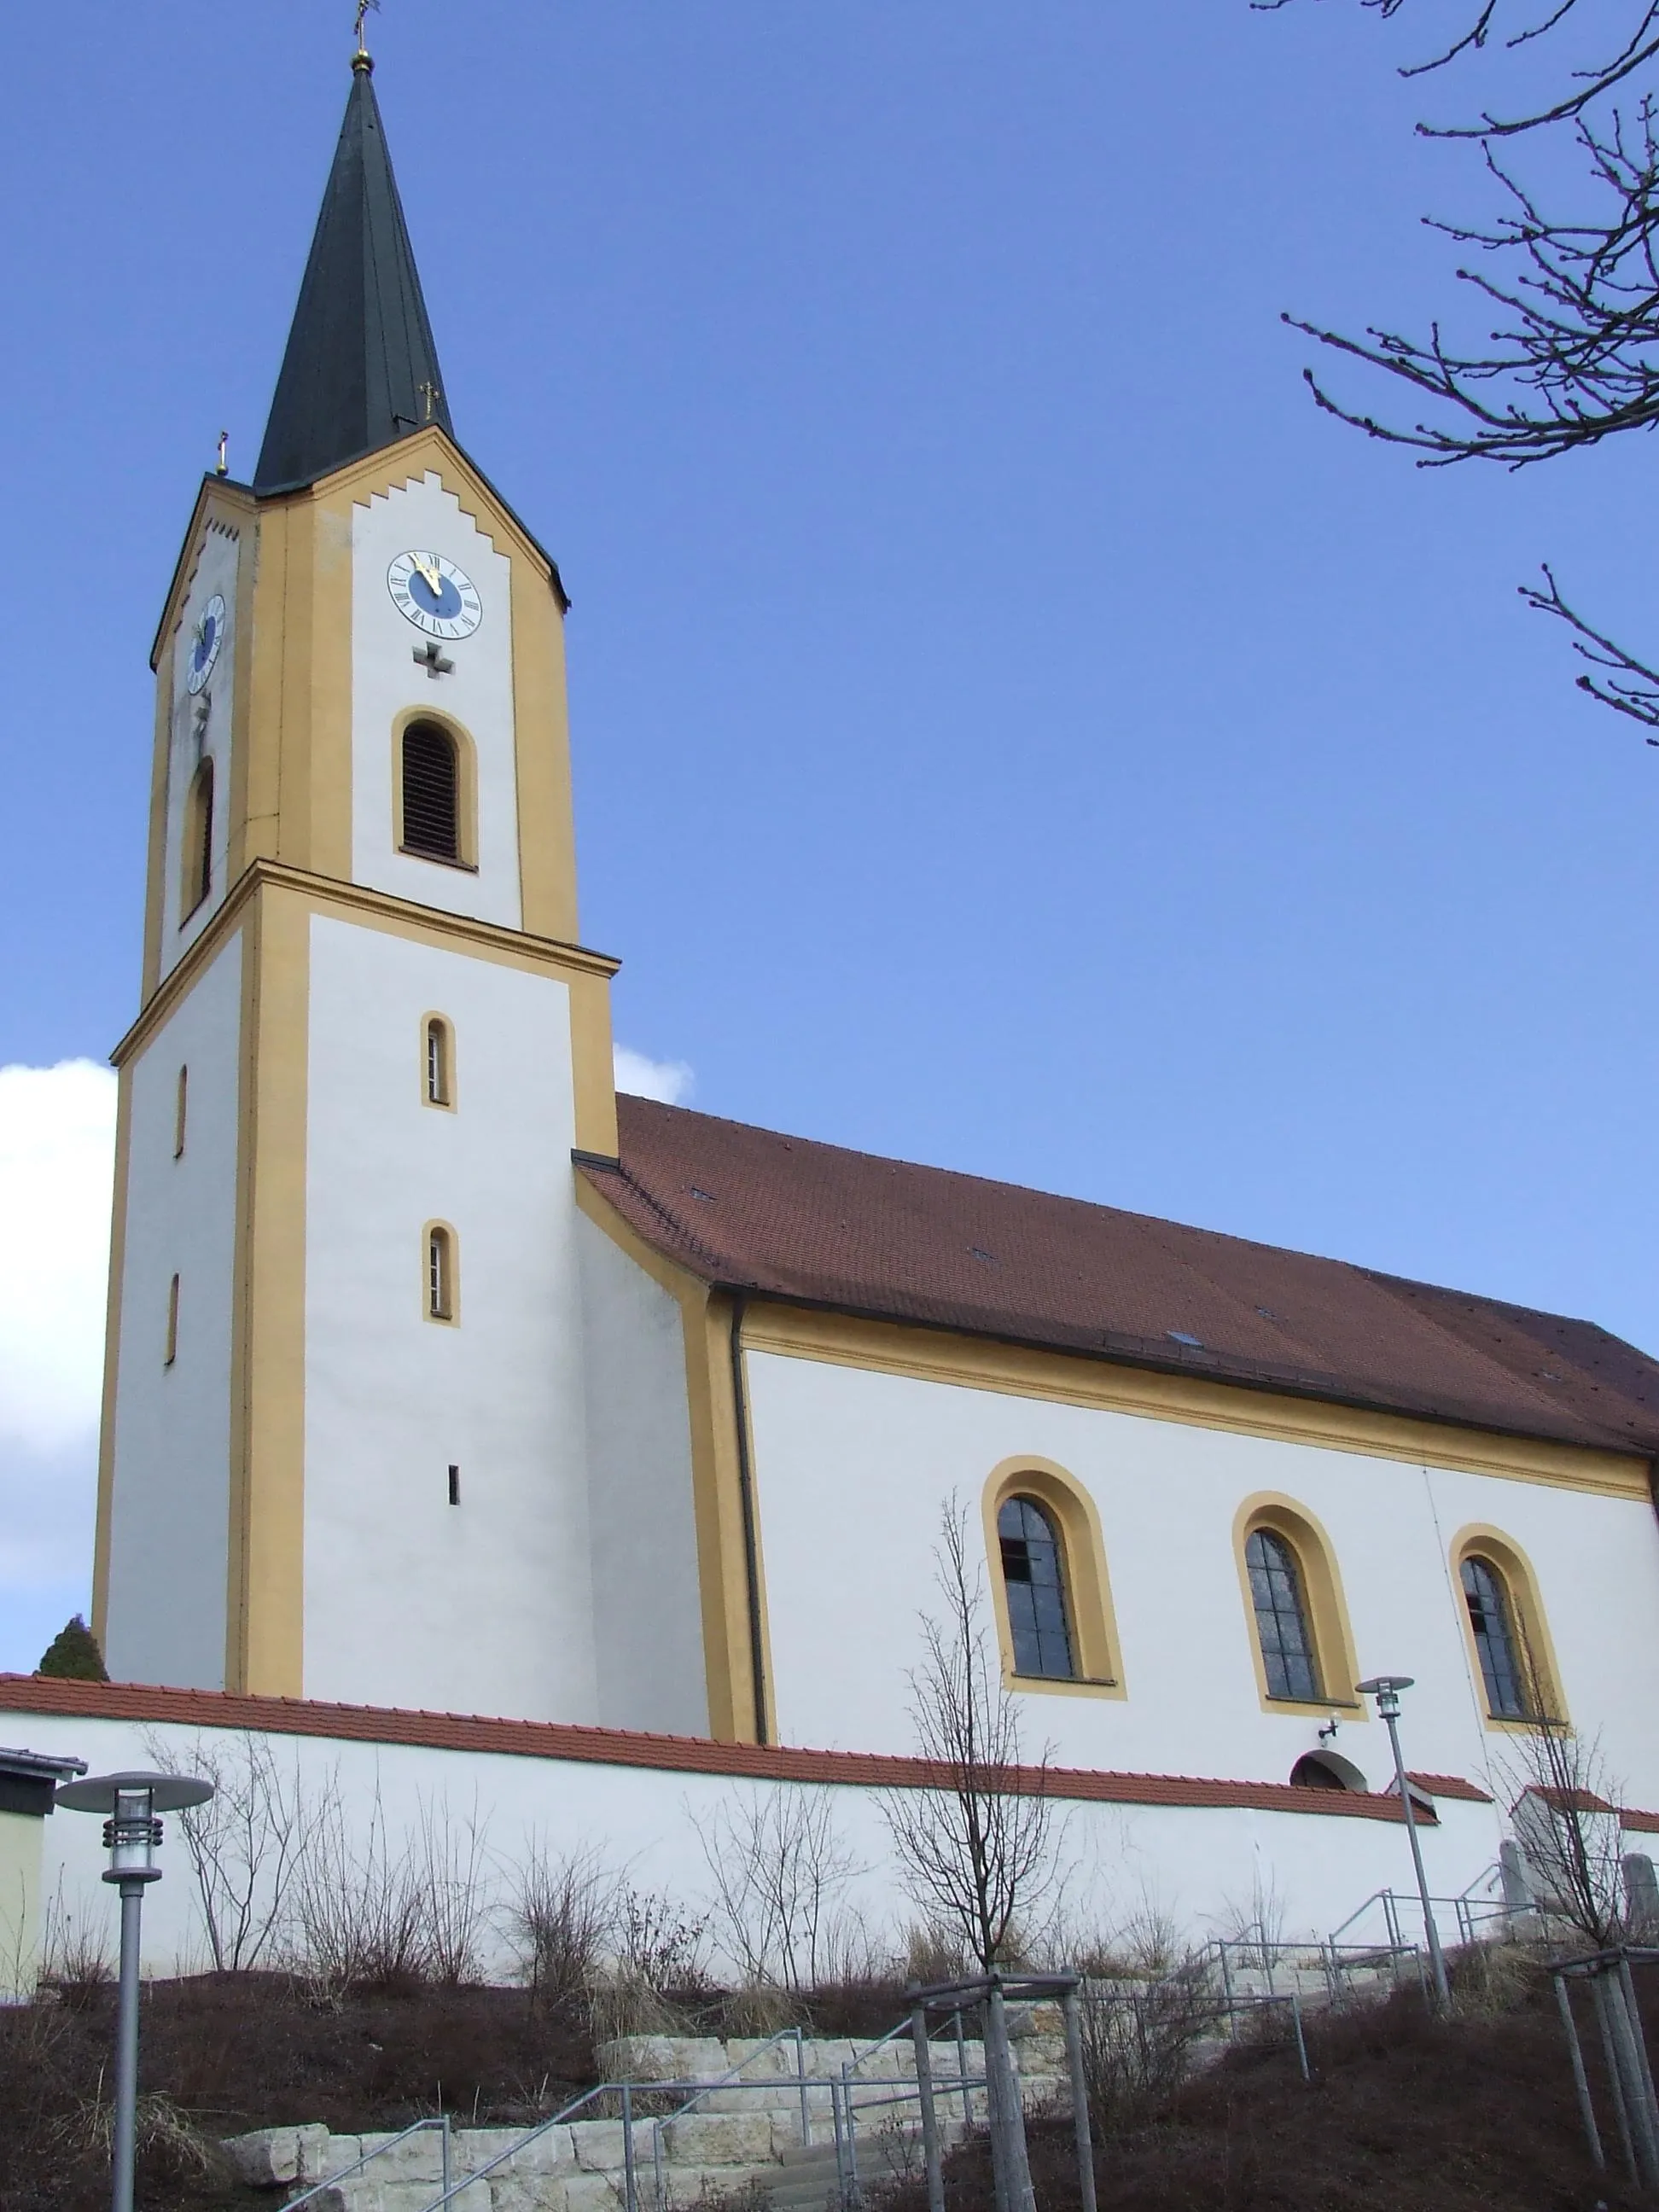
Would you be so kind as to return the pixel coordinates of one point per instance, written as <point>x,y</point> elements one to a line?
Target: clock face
<point>435,595</point>
<point>204,641</point>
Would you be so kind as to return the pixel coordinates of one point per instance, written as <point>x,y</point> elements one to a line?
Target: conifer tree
<point>73,1655</point>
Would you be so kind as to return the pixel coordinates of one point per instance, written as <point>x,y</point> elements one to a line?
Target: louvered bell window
<point>431,792</point>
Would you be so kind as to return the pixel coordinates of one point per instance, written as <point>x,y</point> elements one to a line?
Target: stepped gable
<point>786,1218</point>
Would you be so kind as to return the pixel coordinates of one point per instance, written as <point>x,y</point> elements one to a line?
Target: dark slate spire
<point>360,357</point>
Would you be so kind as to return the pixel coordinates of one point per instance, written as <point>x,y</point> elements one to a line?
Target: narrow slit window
<point>1034,1579</point>
<point>180,1109</point>
<point>454,1485</point>
<point>198,852</point>
<point>1281,1618</point>
<point>440,1055</point>
<point>171,1353</point>
<point>440,1275</point>
<point>1492,1617</point>
<point>431,792</point>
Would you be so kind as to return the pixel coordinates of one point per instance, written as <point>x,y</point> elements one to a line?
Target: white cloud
<point>57,1167</point>
<point>670,1080</point>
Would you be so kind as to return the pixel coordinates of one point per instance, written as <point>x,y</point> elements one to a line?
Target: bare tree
<point>779,1870</point>
<point>1565,1806</point>
<point>243,1843</point>
<point>1573,288</point>
<point>973,1848</point>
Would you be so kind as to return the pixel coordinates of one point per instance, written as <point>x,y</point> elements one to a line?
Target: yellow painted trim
<point>156,860</point>
<point>451,1317</point>
<point>510,948</point>
<point>118,1254</point>
<point>593,1063</point>
<point>1067,1378</point>
<point>1096,1648</point>
<point>447,1104</point>
<point>466,786</point>
<point>1321,1587</point>
<point>1527,1614</point>
<point>716,1495</point>
<point>546,808</point>
<point>265,1632</point>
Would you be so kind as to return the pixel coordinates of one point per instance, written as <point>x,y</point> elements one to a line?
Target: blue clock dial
<point>435,595</point>
<point>205,640</point>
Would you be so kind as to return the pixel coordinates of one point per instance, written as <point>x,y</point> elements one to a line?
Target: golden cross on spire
<point>431,393</point>
<point>363,7</point>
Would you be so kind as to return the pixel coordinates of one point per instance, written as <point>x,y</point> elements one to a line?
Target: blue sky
<point>1013,729</point>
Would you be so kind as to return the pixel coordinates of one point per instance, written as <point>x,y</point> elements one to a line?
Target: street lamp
<point>132,1804</point>
<point>1386,1689</point>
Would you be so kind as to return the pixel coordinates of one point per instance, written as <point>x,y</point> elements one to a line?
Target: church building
<point>441,1379</point>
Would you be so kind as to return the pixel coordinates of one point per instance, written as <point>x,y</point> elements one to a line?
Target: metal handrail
<point>784,2035</point>
<point>418,2127</point>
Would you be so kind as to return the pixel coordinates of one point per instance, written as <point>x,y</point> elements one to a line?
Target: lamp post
<point>1386,1689</point>
<point>133,1828</point>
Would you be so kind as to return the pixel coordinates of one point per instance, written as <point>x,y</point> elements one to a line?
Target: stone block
<point>597,2145</point>
<point>267,2158</point>
<point>596,2193</point>
<point>662,2058</point>
<point>719,2139</point>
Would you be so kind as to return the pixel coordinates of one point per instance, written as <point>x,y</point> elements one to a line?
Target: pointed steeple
<point>361,369</point>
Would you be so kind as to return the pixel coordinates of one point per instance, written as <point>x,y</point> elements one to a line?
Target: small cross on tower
<point>431,658</point>
<point>431,393</point>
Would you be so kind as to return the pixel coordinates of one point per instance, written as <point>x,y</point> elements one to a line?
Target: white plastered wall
<point>386,681</point>
<point>169,1530</point>
<point>1204,1868</point>
<point>853,1469</point>
<point>483,1606</point>
<point>198,727</point>
<point>646,1605</point>
<point>20,1902</point>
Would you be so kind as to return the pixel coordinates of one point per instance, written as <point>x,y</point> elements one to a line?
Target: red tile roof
<point>41,1696</point>
<point>784,1217</point>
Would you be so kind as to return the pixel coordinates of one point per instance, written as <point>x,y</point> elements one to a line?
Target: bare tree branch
<point>974,1853</point>
<point>1632,690</point>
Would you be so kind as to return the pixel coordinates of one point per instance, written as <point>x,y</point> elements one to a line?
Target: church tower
<point>343,1451</point>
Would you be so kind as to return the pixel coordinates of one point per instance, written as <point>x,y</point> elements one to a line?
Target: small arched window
<point>197,850</point>
<point>1034,1579</point>
<point>439,1057</point>
<point>1492,1619</point>
<point>440,1273</point>
<point>1281,1617</point>
<point>431,822</point>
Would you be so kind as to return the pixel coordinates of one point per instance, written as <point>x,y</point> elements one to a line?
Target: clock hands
<point>431,574</point>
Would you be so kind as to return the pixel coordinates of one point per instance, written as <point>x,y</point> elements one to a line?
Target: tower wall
<point>199,726</point>
<point>486,1605</point>
<point>169,1451</point>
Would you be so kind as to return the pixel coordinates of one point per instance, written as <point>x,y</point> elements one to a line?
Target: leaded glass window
<point>1494,1639</point>
<point>1033,1575</point>
<point>1281,1618</point>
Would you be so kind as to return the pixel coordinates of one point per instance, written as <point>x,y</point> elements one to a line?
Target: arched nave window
<point>1034,1579</point>
<point>440,1058</point>
<point>1050,1592</point>
<point>1282,1624</point>
<point>196,850</point>
<point>1492,1622</point>
<point>431,814</point>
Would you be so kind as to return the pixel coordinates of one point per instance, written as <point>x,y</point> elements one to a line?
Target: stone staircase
<point>743,2131</point>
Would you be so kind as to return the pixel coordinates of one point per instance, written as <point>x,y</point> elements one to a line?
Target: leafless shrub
<point>658,1954</point>
<point>975,1853</point>
<point>357,1919</point>
<point>779,1869</point>
<point>74,1954</point>
<point>1138,2039</point>
<point>242,1843</point>
<point>455,1893</point>
<point>559,1916</point>
<point>932,1953</point>
<point>165,2137</point>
